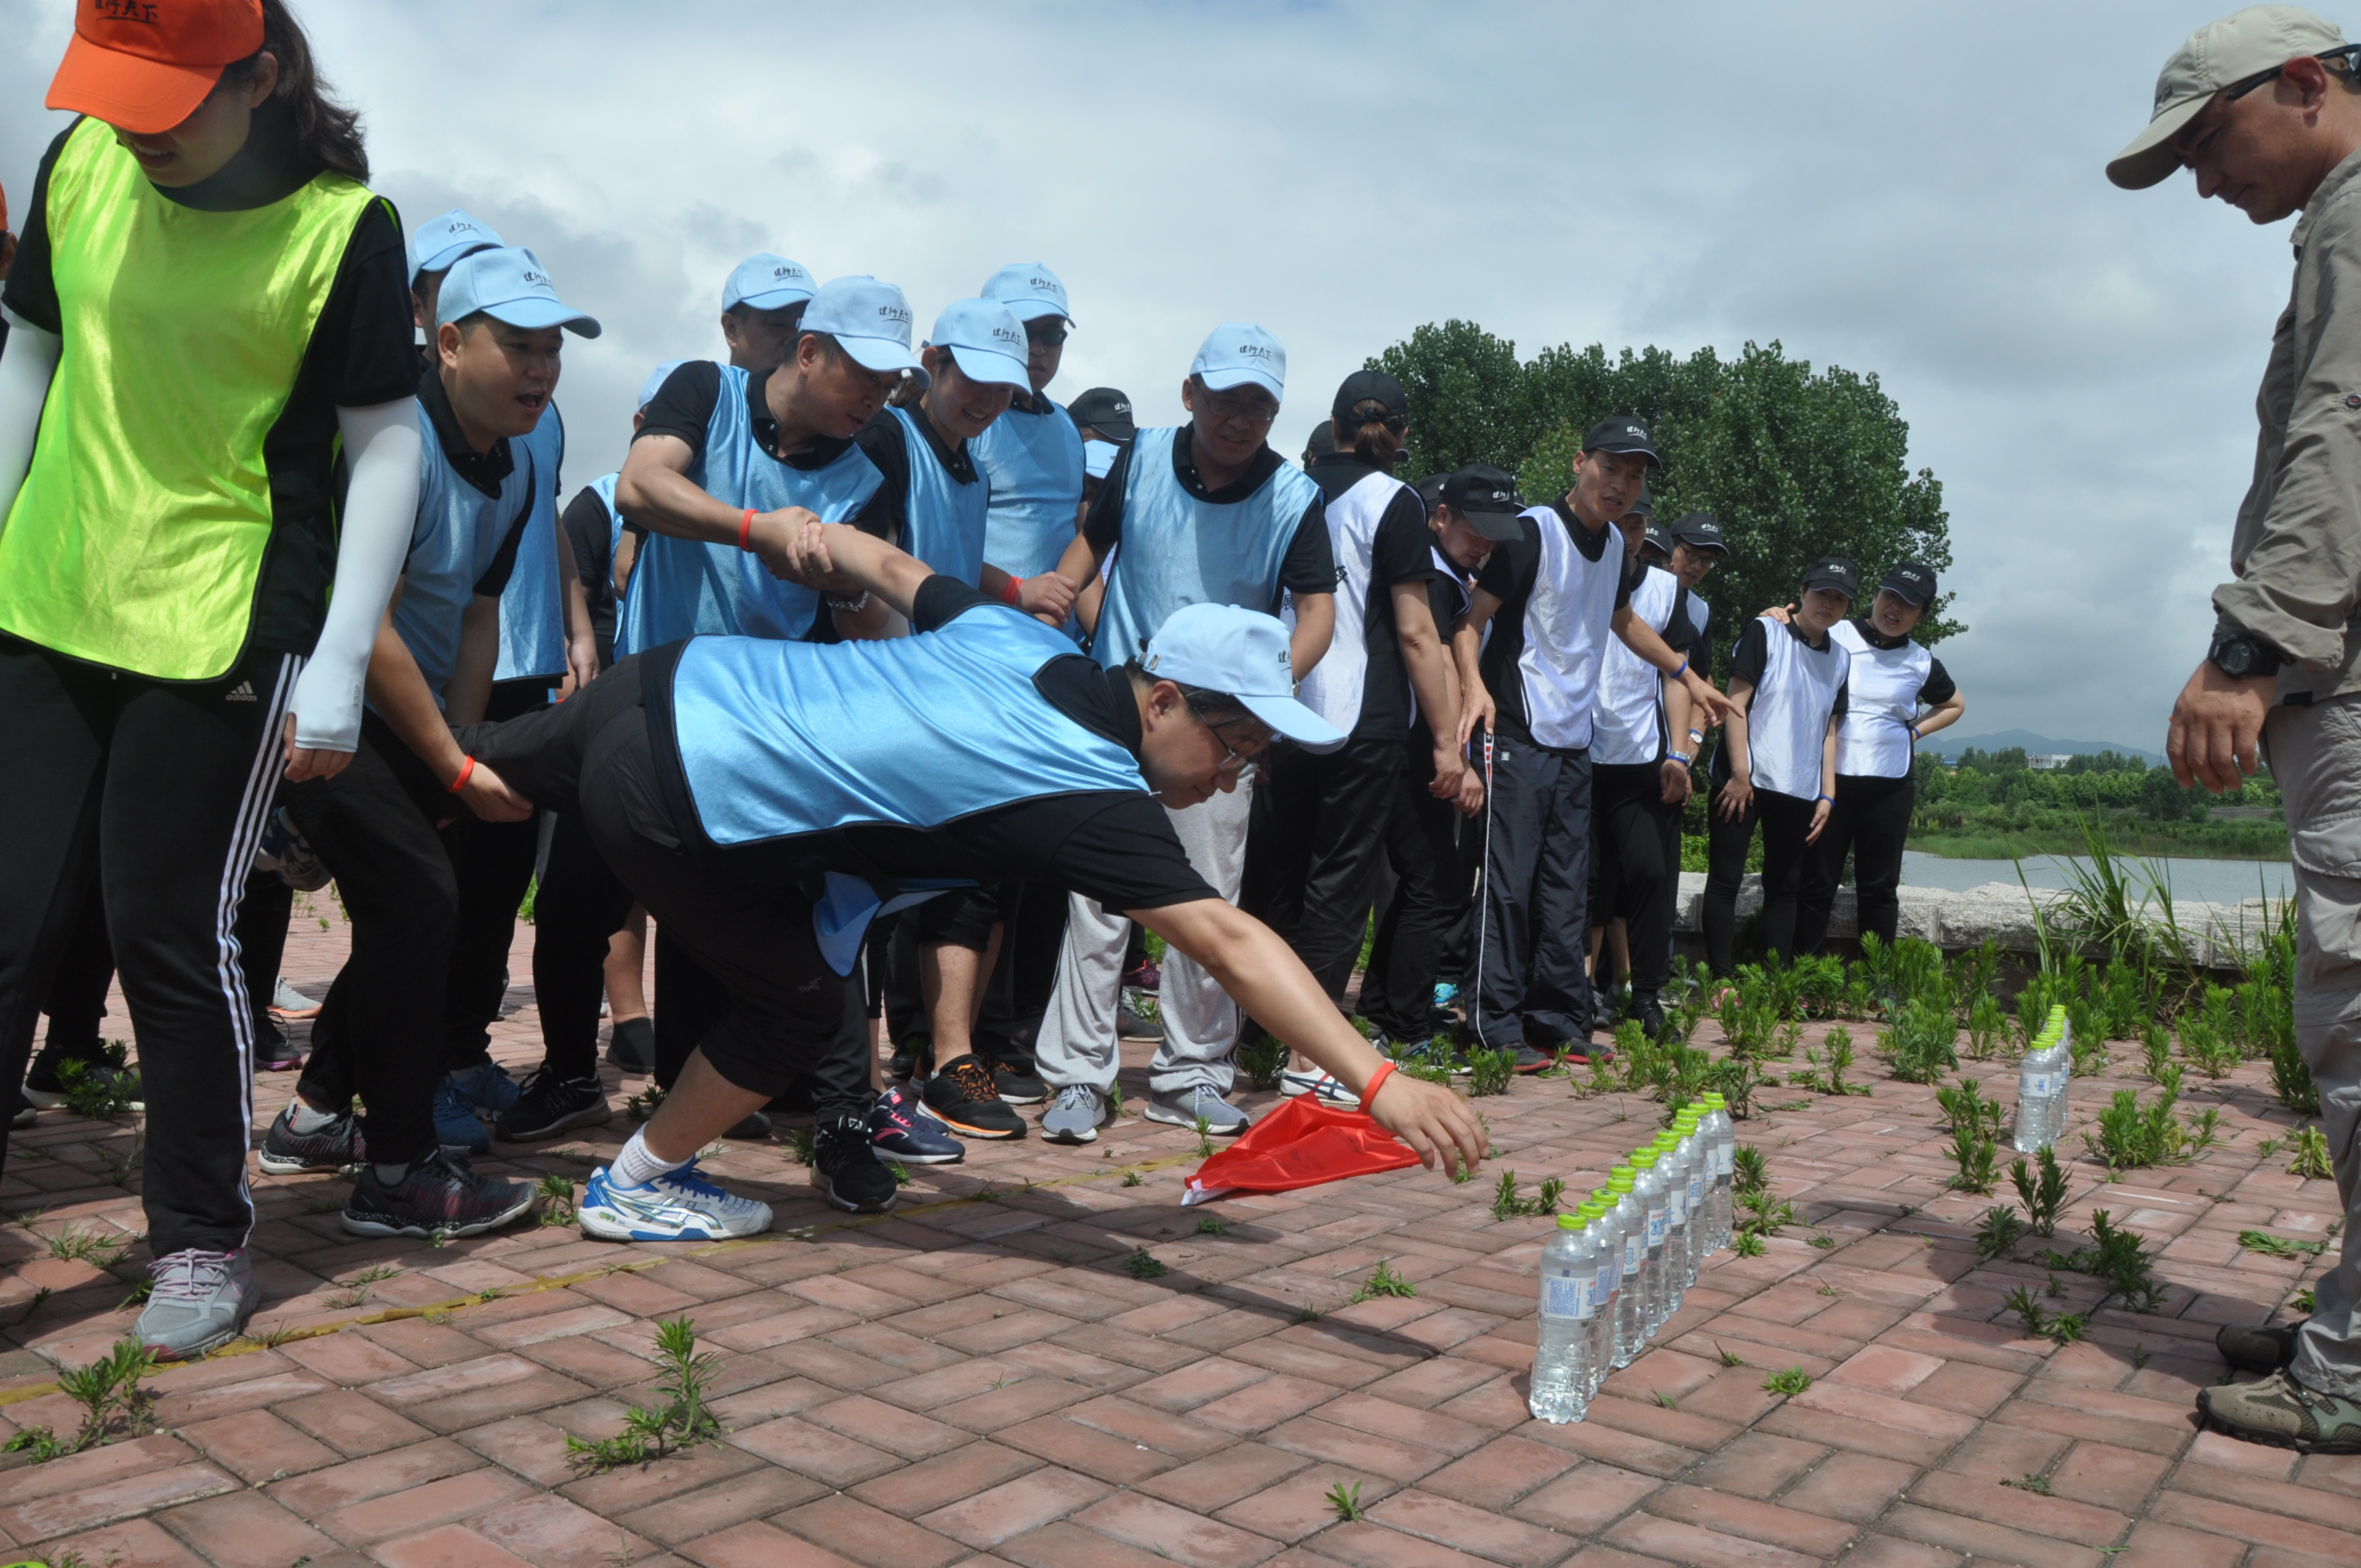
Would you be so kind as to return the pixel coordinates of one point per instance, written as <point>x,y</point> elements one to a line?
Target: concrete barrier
<point>2214,936</point>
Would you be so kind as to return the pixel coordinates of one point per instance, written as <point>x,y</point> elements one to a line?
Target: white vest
<point>1628,727</point>
<point>1874,741</point>
<point>1333,689</point>
<point>1789,717</point>
<point>1568,622</point>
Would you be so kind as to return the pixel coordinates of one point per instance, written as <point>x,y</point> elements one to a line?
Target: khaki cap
<point>2258,39</point>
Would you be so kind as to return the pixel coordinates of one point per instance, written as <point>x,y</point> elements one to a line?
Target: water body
<point>2192,881</point>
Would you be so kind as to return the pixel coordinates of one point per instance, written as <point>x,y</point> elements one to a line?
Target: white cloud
<point>1911,191</point>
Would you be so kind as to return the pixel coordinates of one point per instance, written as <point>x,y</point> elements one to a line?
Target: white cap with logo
<point>1242,653</point>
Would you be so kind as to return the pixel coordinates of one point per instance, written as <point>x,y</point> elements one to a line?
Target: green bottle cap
<point>1623,1170</point>
<point>1687,1119</point>
<point>1715,1102</point>
<point>1575,1221</point>
<point>1644,1160</point>
<point>1619,1183</point>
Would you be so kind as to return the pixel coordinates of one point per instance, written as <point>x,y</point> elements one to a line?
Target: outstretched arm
<point>893,574</point>
<point>29,358</point>
<point>1644,639</point>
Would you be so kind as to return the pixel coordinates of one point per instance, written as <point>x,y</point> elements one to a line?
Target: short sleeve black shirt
<point>1309,565</point>
<point>682,408</point>
<point>1402,551</point>
<point>885,441</point>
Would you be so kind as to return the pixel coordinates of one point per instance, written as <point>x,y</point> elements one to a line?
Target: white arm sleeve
<point>27,360</point>
<point>381,508</point>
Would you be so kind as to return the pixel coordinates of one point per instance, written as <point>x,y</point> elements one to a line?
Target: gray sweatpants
<point>2316,755</point>
<point>1077,1043</point>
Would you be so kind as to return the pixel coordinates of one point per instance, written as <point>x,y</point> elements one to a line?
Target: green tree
<point>1796,464</point>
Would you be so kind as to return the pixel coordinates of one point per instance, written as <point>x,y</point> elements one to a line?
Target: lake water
<point>2192,881</point>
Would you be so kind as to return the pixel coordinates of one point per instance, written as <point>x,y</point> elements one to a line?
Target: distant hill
<point>1949,744</point>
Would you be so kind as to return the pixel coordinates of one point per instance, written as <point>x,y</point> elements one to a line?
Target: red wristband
<point>466,769</point>
<point>1008,594</point>
<point>746,530</point>
<point>1369,1089</point>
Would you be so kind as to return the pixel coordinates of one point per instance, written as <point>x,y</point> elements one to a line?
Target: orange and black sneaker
<point>965,1097</point>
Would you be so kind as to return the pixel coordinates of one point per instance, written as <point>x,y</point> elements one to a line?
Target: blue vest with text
<point>603,487</point>
<point>533,607</point>
<point>1177,549</point>
<point>453,541</point>
<point>944,517</point>
<point>1033,464</point>
<point>780,739</point>
<point>681,587</point>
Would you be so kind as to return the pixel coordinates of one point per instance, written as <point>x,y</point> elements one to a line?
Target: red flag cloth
<point>1301,1143</point>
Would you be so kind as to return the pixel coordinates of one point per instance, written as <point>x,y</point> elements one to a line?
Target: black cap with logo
<point>1487,497</point>
<point>1699,530</point>
<point>1832,572</point>
<point>1321,443</point>
<point>1369,387</point>
<point>1658,538</point>
<point>1106,410</point>
<point>1644,507</point>
<point>1622,434</point>
<point>1430,490</point>
<point>1913,582</point>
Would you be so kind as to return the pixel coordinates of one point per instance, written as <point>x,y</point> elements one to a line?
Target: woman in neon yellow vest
<point>207,302</point>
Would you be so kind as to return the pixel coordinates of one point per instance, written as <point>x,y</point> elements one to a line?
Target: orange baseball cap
<point>143,66</point>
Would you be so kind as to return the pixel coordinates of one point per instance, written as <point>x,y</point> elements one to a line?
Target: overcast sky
<point>1911,191</point>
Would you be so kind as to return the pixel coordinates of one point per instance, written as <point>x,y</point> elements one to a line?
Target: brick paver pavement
<point>975,1379</point>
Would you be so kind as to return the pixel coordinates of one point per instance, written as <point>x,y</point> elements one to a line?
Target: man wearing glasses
<point>2264,107</point>
<point>1206,513</point>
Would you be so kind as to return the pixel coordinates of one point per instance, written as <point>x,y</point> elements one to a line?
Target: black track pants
<point>1636,883</point>
<point>1871,818</point>
<point>1315,833</point>
<point>380,1032</point>
<point>1786,819</point>
<point>493,862</point>
<point>1531,983</point>
<point>579,908</point>
<point>1428,845</point>
<point>165,786</point>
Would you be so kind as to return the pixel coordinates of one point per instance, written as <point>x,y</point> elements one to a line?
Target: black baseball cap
<point>1430,490</point>
<point>1366,386</point>
<point>1105,410</point>
<point>1487,497</point>
<point>1699,530</point>
<point>1321,443</point>
<point>1644,507</point>
<point>1622,434</point>
<point>1658,537</point>
<point>1913,582</point>
<point>1832,572</point>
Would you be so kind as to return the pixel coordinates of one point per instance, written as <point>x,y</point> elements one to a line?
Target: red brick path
<point>974,1379</point>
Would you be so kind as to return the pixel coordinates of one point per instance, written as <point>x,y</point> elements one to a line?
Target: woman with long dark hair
<point>205,301</point>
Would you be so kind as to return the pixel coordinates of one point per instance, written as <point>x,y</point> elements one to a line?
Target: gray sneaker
<point>1073,1117</point>
<point>1185,1108</point>
<point>200,1300</point>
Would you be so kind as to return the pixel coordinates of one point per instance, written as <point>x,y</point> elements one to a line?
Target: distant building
<point>2047,761</point>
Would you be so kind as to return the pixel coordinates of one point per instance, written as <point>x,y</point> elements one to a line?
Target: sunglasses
<point>1051,336</point>
<point>2246,84</point>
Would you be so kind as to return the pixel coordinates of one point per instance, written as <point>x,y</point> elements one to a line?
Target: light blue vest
<point>944,519</point>
<point>457,532</point>
<point>532,608</point>
<point>780,739</point>
<point>1177,549</point>
<point>1033,464</point>
<point>681,587</point>
<point>603,487</point>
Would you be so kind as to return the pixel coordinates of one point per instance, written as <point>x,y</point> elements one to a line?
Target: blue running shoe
<point>678,1206</point>
<point>1446,993</point>
<point>901,1127</point>
<point>456,1125</point>
<point>488,1087</point>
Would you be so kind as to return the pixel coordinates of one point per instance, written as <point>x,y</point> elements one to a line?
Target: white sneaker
<point>1195,1104</point>
<point>678,1206</point>
<point>1318,1083</point>
<point>1074,1116</point>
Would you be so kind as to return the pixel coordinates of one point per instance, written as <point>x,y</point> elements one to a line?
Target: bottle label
<point>1656,1227</point>
<point>2037,1086</point>
<point>1635,1247</point>
<point>1696,1191</point>
<point>1725,1159</point>
<point>1569,1295</point>
<point>1677,1201</point>
<point>1611,1273</point>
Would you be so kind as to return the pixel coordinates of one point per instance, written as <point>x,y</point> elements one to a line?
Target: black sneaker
<point>964,1096</point>
<point>1013,1075</point>
<point>1131,1024</point>
<point>436,1196</point>
<point>551,1106</point>
<point>1532,1061</point>
<point>337,1146</point>
<point>847,1174</point>
<point>914,1060</point>
<point>273,1052</point>
<point>633,1045</point>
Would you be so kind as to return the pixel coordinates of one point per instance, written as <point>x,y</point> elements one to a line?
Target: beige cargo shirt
<point>2297,551</point>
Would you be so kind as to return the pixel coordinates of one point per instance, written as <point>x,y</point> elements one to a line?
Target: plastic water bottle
<point>1697,1157</point>
<point>1609,1237</point>
<point>1677,1234</point>
<point>2037,1088</point>
<point>2064,1026</point>
<point>1631,1222</point>
<point>1569,1308</point>
<point>1648,1186</point>
<point>1725,1165</point>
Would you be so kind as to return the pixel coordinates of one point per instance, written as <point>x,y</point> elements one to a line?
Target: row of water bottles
<point>2041,1080</point>
<point>1619,1264</point>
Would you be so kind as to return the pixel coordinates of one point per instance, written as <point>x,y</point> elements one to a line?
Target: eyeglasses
<point>1048,337</point>
<point>1236,760</point>
<point>1234,408</point>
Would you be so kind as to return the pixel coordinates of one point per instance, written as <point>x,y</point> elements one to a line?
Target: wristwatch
<point>2241,656</point>
<point>849,606</point>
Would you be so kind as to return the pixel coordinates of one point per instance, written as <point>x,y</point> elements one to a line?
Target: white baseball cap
<point>1242,653</point>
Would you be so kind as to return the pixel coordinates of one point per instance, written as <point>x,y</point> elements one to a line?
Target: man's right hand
<point>778,537</point>
<point>2217,728</point>
<point>1435,1123</point>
